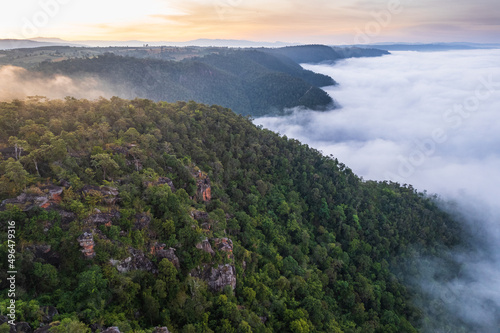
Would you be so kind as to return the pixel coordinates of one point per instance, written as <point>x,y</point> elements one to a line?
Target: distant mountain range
<point>8,44</point>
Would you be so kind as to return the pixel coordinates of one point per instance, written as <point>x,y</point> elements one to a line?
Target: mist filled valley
<point>211,189</point>
<point>428,119</point>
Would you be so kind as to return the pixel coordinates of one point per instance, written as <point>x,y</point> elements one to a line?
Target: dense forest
<point>143,216</point>
<point>252,82</point>
<point>249,82</point>
<point>323,53</point>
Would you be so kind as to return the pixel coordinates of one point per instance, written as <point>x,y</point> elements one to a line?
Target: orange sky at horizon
<point>314,21</point>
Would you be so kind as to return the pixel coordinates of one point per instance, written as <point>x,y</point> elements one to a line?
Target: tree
<point>15,172</point>
<point>105,162</point>
<point>19,146</point>
<point>300,326</point>
<point>69,325</point>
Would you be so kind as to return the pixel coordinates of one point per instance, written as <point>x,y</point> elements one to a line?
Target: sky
<point>429,119</point>
<point>293,21</point>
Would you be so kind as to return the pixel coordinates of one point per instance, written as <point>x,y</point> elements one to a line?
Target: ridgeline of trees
<point>323,53</point>
<point>311,244</point>
<point>247,81</point>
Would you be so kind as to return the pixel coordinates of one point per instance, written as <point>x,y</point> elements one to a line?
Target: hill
<point>189,218</point>
<point>323,53</point>
<point>250,82</point>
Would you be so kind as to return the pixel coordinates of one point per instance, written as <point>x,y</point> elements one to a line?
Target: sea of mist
<point>431,120</point>
<point>19,83</point>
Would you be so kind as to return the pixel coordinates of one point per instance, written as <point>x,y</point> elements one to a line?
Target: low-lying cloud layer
<point>17,82</point>
<point>430,120</point>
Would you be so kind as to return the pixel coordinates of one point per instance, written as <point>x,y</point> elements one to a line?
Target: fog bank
<point>430,120</point>
<point>18,83</point>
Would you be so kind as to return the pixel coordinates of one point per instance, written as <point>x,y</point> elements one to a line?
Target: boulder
<point>108,194</point>
<point>44,196</point>
<point>159,251</point>
<point>224,244</point>
<point>49,312</point>
<point>204,190</point>
<point>112,329</point>
<point>217,278</point>
<point>136,261</point>
<point>86,241</point>
<point>205,246</point>
<point>142,221</point>
<point>23,327</point>
<point>102,218</point>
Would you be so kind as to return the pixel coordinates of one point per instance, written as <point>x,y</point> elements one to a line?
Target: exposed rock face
<point>66,216</point>
<point>44,196</point>
<point>226,245</point>
<point>112,329</point>
<point>161,330</point>
<point>199,215</point>
<point>160,252</point>
<point>136,261</point>
<point>205,246</point>
<point>204,191</point>
<point>109,194</point>
<point>86,241</point>
<point>217,278</point>
<point>223,275</point>
<point>48,313</point>
<point>142,221</point>
<point>103,218</point>
<point>23,327</point>
<point>203,218</point>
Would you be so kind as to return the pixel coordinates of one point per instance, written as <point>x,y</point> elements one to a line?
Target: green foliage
<point>314,247</point>
<point>68,325</point>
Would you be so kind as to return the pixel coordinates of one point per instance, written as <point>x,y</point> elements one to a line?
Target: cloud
<point>17,82</point>
<point>430,120</point>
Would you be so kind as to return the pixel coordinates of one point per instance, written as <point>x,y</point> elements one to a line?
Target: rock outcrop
<point>136,261</point>
<point>86,241</point>
<point>205,246</point>
<point>112,329</point>
<point>44,196</point>
<point>102,218</point>
<point>141,221</point>
<point>109,194</point>
<point>202,218</point>
<point>217,278</point>
<point>226,245</point>
<point>204,190</point>
<point>221,276</point>
<point>49,312</point>
<point>159,251</point>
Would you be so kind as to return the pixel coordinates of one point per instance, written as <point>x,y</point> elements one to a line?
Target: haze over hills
<point>250,81</point>
<point>8,44</point>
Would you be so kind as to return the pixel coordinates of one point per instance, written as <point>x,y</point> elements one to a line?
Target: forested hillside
<point>250,82</point>
<point>323,53</point>
<point>189,218</point>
